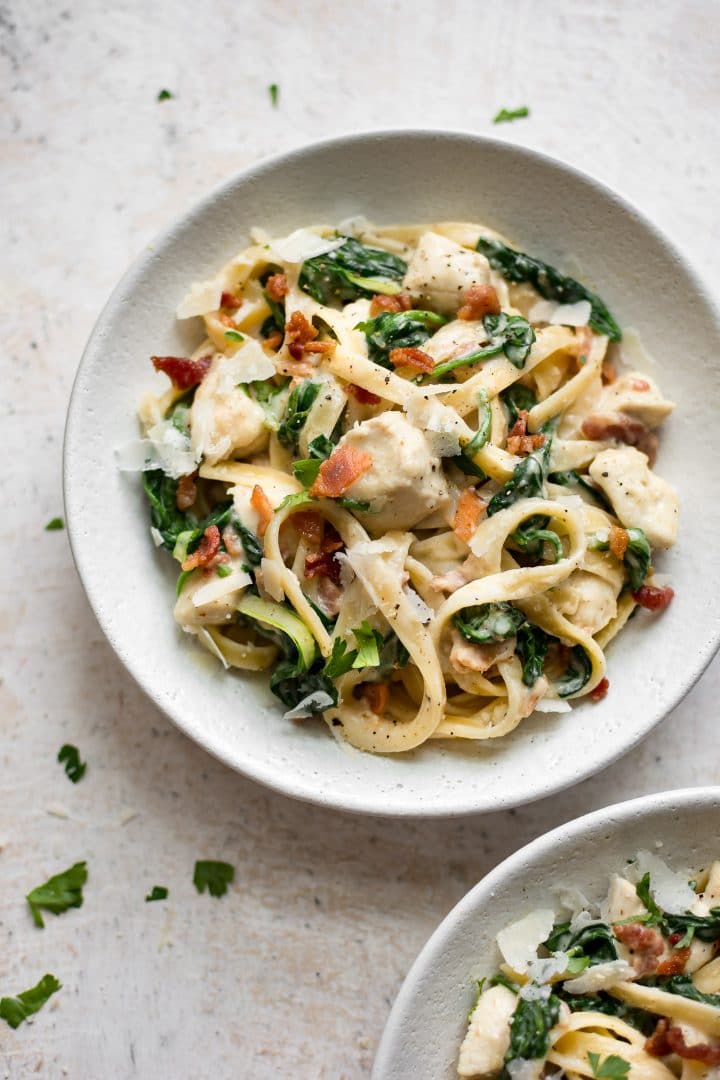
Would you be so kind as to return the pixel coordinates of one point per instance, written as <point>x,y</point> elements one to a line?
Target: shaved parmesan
<point>634,354</point>
<point>519,941</point>
<point>249,363</point>
<point>219,587</point>
<point>525,1069</point>
<point>530,991</point>
<point>668,888</point>
<point>272,579</point>
<point>354,226</point>
<point>601,977</point>
<point>209,642</point>
<point>164,448</point>
<point>441,425</point>
<point>544,969</point>
<point>156,536</point>
<point>552,705</point>
<point>246,513</point>
<point>301,245</point>
<point>547,311</point>
<point>316,702</point>
<point>204,296</point>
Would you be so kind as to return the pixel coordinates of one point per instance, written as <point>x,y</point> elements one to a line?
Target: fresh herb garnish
<point>234,335</point>
<point>340,661</point>
<point>369,644</point>
<point>55,524</point>
<point>294,500</point>
<point>223,570</point>
<point>74,767</point>
<point>213,876</point>
<point>301,400</point>
<point>353,504</point>
<point>489,622</point>
<point>306,469</point>
<point>594,942</point>
<point>158,892</point>
<point>350,271</point>
<point>274,92</point>
<point>59,893</point>
<point>164,95</point>
<point>398,330</point>
<point>702,927</point>
<point>517,267</point>
<point>509,334</point>
<point>506,115</point>
<point>612,1068</point>
<point>14,1010</point>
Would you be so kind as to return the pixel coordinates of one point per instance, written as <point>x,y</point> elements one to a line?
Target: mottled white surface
<point>293,972</point>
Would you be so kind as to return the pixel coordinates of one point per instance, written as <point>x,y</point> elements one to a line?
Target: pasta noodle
<point>405,473</point>
<point>628,993</point>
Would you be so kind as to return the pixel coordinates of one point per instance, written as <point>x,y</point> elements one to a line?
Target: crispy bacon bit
<point>232,541</point>
<point>645,945</point>
<point>618,540</point>
<point>232,303</point>
<point>331,540</point>
<point>186,492</point>
<point>466,657</point>
<point>376,695</point>
<point>657,1044</point>
<point>401,302</point>
<point>320,346</point>
<point>298,330</point>
<point>675,963</point>
<point>705,1052</point>
<point>480,300</point>
<point>309,525</point>
<point>274,340</point>
<point>181,370</point>
<point>639,384</point>
<point>467,515</point>
<point>206,550</point>
<point>653,598</point>
<point>337,473</point>
<point>518,441</point>
<point>600,690</point>
<point>411,357</point>
<point>365,397</point>
<point>262,507</point>
<point>277,286</point>
<point>227,320</point>
<point>323,564</point>
<point>608,372</point>
<point>627,429</point>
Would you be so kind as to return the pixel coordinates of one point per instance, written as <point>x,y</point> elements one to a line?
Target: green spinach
<point>398,330</point>
<point>301,400</point>
<point>530,1028</point>
<point>516,399</point>
<point>350,271</point>
<point>509,334</point>
<point>578,672</point>
<point>532,646</point>
<point>489,622</point>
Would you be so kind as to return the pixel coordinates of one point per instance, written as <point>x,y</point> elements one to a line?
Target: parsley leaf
<point>369,644</point>
<point>164,95</point>
<point>353,504</point>
<point>59,893</point>
<point>294,500</point>
<point>215,876</point>
<point>234,335</point>
<point>340,662</point>
<point>55,524</point>
<point>274,92</point>
<point>505,115</point>
<point>613,1067</point>
<point>16,1009</point>
<point>306,470</point>
<point>74,767</point>
<point>159,892</point>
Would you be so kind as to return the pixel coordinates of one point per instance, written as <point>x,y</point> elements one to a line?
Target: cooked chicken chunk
<point>440,271</point>
<point>636,395</point>
<point>223,419</point>
<point>488,1038</point>
<point>405,482</point>
<point>639,497</point>
<point>587,601</point>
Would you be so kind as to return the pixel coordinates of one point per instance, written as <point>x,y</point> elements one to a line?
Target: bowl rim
<point>565,833</point>
<point>353,802</point>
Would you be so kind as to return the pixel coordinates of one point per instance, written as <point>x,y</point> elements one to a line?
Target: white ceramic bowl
<point>429,1018</point>
<point>545,207</point>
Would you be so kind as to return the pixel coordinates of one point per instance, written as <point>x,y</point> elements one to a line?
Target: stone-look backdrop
<point>293,972</point>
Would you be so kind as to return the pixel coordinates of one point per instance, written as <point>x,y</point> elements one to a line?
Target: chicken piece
<point>488,1036</point>
<point>223,419</point>
<point>639,498</point>
<point>440,271</point>
<point>405,482</point>
<point>213,612</point>
<point>586,600</point>
<point>456,338</point>
<point>466,656</point>
<point>635,395</point>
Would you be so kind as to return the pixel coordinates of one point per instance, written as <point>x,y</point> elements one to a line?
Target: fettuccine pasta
<point>626,989</point>
<point>406,473</point>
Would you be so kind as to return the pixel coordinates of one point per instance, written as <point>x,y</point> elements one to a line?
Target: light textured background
<point>293,972</point>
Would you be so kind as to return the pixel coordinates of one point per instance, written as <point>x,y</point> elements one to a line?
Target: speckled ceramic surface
<point>544,207</point>
<point>429,1018</point>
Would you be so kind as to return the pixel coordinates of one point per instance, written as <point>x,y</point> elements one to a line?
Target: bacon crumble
<point>600,690</point>
<point>323,564</point>
<point>181,370</point>
<point>653,598</point>
<point>469,509</point>
<point>186,491</point>
<point>337,473</point>
<point>618,541</point>
<point>479,300</point>
<point>262,507</point>
<point>412,357</point>
<point>277,286</point>
<point>626,429</point>
<point>675,963</point>
<point>644,942</point>
<point>380,304</point>
<point>206,550</point>
<point>363,396</point>
<point>229,301</point>
<point>518,440</point>
<point>376,695</point>
<point>670,1039</point>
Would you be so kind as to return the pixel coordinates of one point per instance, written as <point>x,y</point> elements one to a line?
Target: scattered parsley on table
<point>74,767</point>
<point>215,876</point>
<point>504,116</point>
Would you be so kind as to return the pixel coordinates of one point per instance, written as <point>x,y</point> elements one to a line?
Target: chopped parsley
<point>612,1068</point>
<point>504,116</point>
<point>158,892</point>
<point>14,1010</point>
<point>274,92</point>
<point>234,335</point>
<point>59,893</point>
<point>55,524</point>
<point>213,876</point>
<point>369,644</point>
<point>74,767</point>
<point>223,570</point>
<point>165,95</point>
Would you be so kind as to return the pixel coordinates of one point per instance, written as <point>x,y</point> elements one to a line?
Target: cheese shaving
<point>519,941</point>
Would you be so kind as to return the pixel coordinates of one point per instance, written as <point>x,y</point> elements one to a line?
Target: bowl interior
<point>544,207</point>
<point>429,1019</point>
